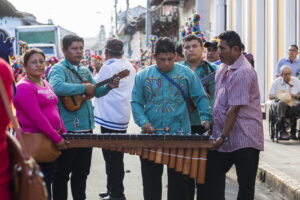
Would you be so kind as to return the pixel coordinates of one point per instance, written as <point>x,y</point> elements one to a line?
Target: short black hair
<point>294,45</point>
<point>232,39</point>
<point>164,45</point>
<point>28,53</point>
<point>114,47</point>
<point>179,49</point>
<point>190,38</point>
<point>243,47</point>
<point>69,39</point>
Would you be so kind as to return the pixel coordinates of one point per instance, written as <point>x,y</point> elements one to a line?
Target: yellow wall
<point>252,27</point>
<point>233,14</point>
<point>280,28</point>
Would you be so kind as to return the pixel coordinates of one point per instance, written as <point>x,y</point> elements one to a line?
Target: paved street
<point>133,182</point>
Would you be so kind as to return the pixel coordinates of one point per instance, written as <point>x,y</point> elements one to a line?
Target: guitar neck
<point>104,82</point>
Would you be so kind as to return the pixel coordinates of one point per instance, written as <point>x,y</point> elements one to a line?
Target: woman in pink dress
<point>36,106</point>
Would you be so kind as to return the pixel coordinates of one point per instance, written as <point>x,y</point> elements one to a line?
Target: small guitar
<point>74,103</point>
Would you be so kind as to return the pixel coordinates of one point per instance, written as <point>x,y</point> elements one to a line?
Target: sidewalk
<point>279,166</point>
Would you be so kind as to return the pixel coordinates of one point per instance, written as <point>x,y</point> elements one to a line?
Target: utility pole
<point>127,9</point>
<point>148,22</point>
<point>116,17</point>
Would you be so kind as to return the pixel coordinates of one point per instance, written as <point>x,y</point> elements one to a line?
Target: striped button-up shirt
<point>237,85</point>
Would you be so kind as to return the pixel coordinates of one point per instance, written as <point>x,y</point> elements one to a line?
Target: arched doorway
<point>2,32</point>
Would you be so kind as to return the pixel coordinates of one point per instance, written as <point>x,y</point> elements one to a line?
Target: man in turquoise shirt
<point>157,103</point>
<point>66,78</point>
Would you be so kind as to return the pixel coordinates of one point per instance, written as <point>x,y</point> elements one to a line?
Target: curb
<point>287,186</point>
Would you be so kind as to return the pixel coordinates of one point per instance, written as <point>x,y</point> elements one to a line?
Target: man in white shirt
<point>291,85</point>
<point>112,113</point>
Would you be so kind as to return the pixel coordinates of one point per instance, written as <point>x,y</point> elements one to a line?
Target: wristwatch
<point>225,138</point>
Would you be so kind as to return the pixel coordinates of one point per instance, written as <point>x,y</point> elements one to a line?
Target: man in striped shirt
<point>237,128</point>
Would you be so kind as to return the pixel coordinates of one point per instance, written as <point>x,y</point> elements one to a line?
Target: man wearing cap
<point>112,113</point>
<point>212,55</point>
<point>289,85</point>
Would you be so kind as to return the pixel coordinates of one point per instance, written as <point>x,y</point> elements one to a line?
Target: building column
<point>202,7</point>
<point>238,17</point>
<point>220,22</point>
<point>273,37</point>
<point>228,15</point>
<point>247,24</point>
<point>260,64</point>
<point>298,23</point>
<point>289,24</point>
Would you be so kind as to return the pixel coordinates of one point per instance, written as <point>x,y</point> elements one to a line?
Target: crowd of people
<point>169,93</point>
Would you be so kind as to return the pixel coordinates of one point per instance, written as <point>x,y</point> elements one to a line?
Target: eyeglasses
<point>293,50</point>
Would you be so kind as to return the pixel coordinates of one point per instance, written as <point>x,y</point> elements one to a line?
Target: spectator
<point>291,61</point>
<point>288,84</point>
<point>36,106</point>
<point>179,57</point>
<point>212,55</point>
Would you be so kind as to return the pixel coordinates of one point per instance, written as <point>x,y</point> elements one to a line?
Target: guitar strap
<point>206,86</point>
<point>74,72</point>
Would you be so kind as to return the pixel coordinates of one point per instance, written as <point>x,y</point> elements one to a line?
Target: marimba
<point>187,154</point>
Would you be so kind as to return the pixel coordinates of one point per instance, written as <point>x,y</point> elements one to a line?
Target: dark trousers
<point>218,163</point>
<point>178,184</point>
<point>48,170</point>
<point>114,167</point>
<point>77,162</point>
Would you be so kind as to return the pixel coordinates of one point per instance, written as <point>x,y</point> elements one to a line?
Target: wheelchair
<point>274,124</point>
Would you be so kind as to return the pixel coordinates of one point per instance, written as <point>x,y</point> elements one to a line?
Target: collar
<point>288,59</point>
<point>237,63</point>
<point>67,63</point>
<point>187,64</point>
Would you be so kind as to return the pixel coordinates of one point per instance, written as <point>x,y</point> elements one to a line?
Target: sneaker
<point>103,194</point>
<point>113,198</point>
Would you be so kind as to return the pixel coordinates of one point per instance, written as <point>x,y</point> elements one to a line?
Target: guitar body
<point>74,103</point>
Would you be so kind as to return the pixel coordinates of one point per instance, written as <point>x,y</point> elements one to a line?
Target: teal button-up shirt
<point>66,83</point>
<point>156,100</point>
<point>200,72</point>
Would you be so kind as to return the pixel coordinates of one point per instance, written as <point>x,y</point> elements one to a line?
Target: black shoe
<point>103,194</point>
<point>284,136</point>
<point>113,198</point>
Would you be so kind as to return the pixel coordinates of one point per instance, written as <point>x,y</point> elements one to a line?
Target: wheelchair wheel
<point>272,125</point>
